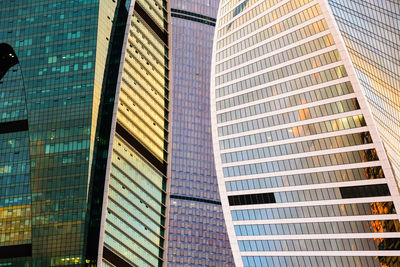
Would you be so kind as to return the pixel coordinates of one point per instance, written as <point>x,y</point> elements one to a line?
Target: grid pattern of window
<point>55,89</point>
<point>58,75</point>
<point>15,182</point>
<point>197,234</point>
<point>299,162</point>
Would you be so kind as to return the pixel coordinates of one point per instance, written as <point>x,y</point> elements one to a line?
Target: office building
<point>371,32</point>
<point>303,173</point>
<point>196,231</point>
<point>84,123</point>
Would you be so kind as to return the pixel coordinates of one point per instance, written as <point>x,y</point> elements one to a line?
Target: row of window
<point>13,102</point>
<point>21,154</point>
<point>287,102</point>
<point>273,45</point>
<point>122,229</point>
<point>317,228</point>
<point>255,10</point>
<point>354,209</point>
<point>299,147</point>
<point>13,114</point>
<point>267,19</point>
<point>6,180</point>
<point>8,145</point>
<point>321,261</point>
<point>186,239</point>
<point>290,117</point>
<point>311,195</point>
<point>269,32</point>
<point>15,190</point>
<point>9,85</point>
<point>294,132</point>
<point>185,254</point>
<point>302,163</point>
<point>285,71</point>
<point>199,219</point>
<point>279,58</point>
<point>319,244</point>
<point>11,168</point>
<point>306,179</point>
<point>118,243</point>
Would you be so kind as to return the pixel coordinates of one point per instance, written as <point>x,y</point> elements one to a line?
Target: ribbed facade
<point>196,233</point>
<point>303,174</point>
<point>134,208</point>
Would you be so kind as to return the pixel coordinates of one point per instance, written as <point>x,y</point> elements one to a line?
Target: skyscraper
<point>371,32</point>
<point>197,234</point>
<point>303,174</point>
<point>84,122</point>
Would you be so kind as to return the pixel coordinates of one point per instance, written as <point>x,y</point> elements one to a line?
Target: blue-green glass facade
<point>57,96</point>
<point>15,187</point>
<point>57,59</point>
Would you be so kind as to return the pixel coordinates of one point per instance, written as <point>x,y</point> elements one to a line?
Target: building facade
<point>371,33</point>
<point>303,173</point>
<point>196,232</point>
<point>84,94</point>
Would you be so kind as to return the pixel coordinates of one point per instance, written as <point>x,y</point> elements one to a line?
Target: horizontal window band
<point>113,258</point>
<point>251,199</point>
<point>162,34</point>
<point>174,10</point>
<point>363,191</point>
<point>193,19</point>
<point>196,199</point>
<point>14,126</point>
<point>356,174</point>
<point>143,151</point>
<point>316,228</point>
<point>310,212</point>
<point>16,251</point>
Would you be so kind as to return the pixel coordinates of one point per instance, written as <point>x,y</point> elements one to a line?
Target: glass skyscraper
<point>301,158</point>
<point>197,234</point>
<point>371,32</point>
<point>84,132</point>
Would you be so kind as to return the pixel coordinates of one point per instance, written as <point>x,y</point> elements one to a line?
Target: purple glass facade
<point>197,234</point>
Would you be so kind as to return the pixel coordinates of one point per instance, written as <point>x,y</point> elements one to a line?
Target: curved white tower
<point>303,175</point>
